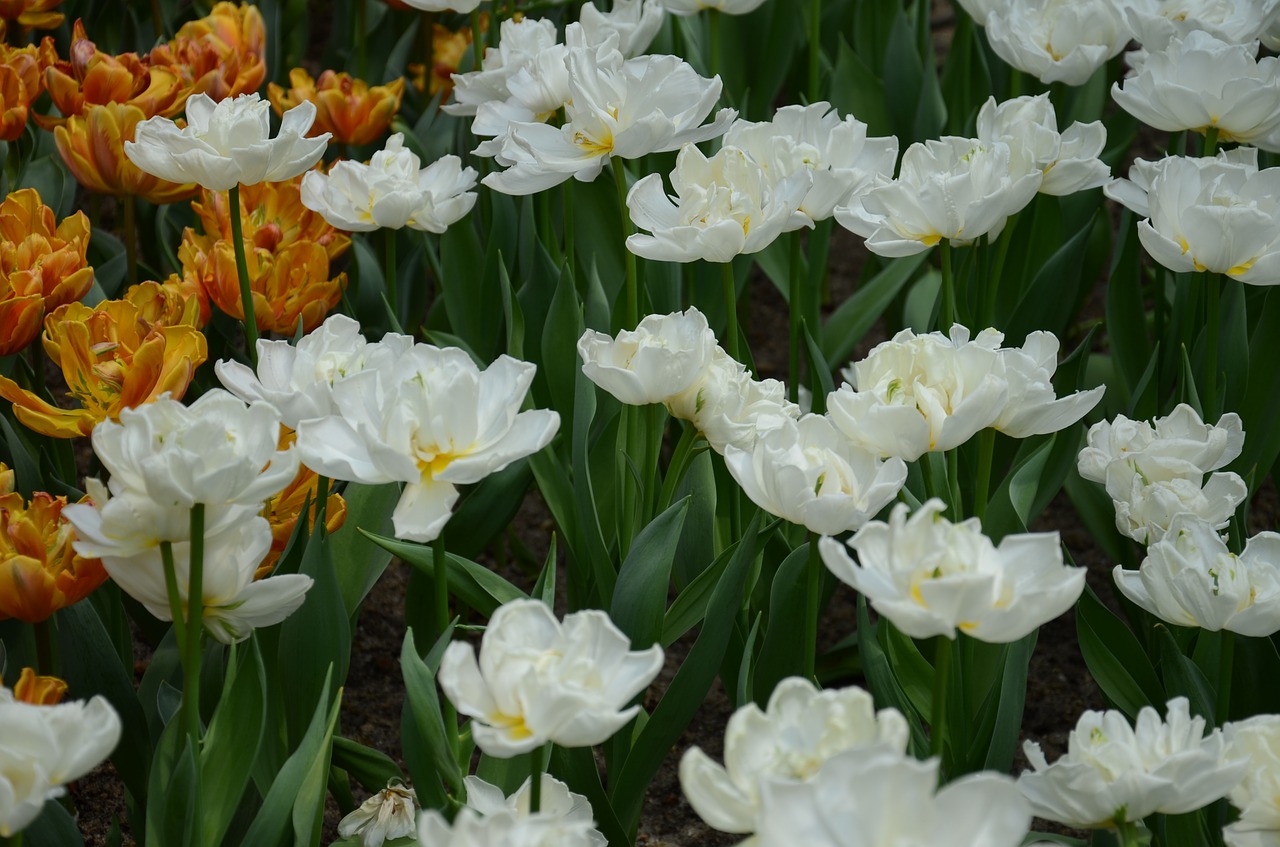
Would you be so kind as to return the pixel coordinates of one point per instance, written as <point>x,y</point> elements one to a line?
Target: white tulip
<point>724,206</point>
<point>954,188</point>
<point>636,23</point>
<point>1154,23</point>
<point>1033,407</point>
<point>557,801</point>
<point>460,6</point>
<point>1190,578</point>
<point>1113,772</point>
<point>728,7</point>
<point>228,143</point>
<point>430,418</point>
<point>932,577</point>
<point>540,680</point>
<point>521,42</point>
<point>1257,796</point>
<point>389,814</point>
<point>1029,125</point>
<point>391,192</point>
<point>808,473</point>
<point>799,730</point>
<point>1057,40</point>
<point>662,357</point>
<point>729,407</point>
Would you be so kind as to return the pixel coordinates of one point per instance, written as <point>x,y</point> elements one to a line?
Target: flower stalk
<point>242,268</point>
<point>537,763</point>
<point>1213,308</point>
<point>947,315</point>
<point>796,308</point>
<point>632,315</point>
<point>389,274</point>
<point>194,629</point>
<point>813,602</point>
<point>941,678</point>
<point>730,287</point>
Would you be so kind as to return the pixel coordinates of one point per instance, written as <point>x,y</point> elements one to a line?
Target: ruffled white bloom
<point>1190,578</point>
<point>650,104</point>
<point>724,206</point>
<point>389,814</point>
<point>391,192</point>
<point>1115,772</point>
<point>461,6</point>
<point>916,394</point>
<point>1198,82</point>
<point>662,357</point>
<point>125,532</point>
<point>541,680</point>
<point>44,748</point>
<point>1257,796</point>
<point>1033,407</point>
<point>1154,23</point>
<point>728,7</point>
<point>1029,125</point>
<point>215,451</point>
<point>1153,473</point>
<point>299,380</point>
<point>228,143</point>
<point>635,22</point>
<point>521,42</point>
<point>837,153</point>
<point>503,829</point>
<point>557,801</point>
<point>932,577</point>
<point>954,188</point>
<point>430,418</point>
<point>865,797</point>
<point>1057,40</point>
<point>799,730</point>
<point>729,407</point>
<point>808,473</point>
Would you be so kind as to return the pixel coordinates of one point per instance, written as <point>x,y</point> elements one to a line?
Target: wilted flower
<point>92,146</point>
<point>430,418</point>
<point>1029,125</point>
<point>111,360</point>
<point>813,139</point>
<point>36,14</point>
<point>635,22</point>
<point>954,188</point>
<point>1257,796</point>
<point>389,814</point>
<point>729,407</point>
<point>541,680</point>
<point>227,143</point>
<point>45,748</point>
<point>930,576</point>
<point>38,690</point>
<point>881,797</point>
<point>521,42</point>
<point>222,54</point>
<point>799,730</point>
<point>391,191</point>
<point>724,206</point>
<point>663,356</point>
<point>917,394</point>
<point>1056,40</point>
<point>42,266</point>
<point>1114,773</point>
<point>808,473</point>
<point>503,829</point>
<point>728,7</point>
<point>1190,578</point>
<point>1153,472</point>
<point>349,109</point>
<point>557,801</point>
<point>40,573</point>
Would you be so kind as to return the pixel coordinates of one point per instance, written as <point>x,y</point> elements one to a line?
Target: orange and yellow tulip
<point>42,266</point>
<point>222,54</point>
<point>92,145</point>
<point>175,302</point>
<point>447,49</point>
<point>38,690</point>
<point>20,84</point>
<point>282,512</point>
<point>35,14</point>
<point>112,359</point>
<point>40,573</point>
<point>352,110</point>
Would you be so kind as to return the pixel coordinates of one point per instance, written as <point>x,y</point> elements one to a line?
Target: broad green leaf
<point>696,549</point>
<point>577,767</point>
<point>474,584</point>
<point>357,561</point>
<point>1010,699</point>
<point>172,790</point>
<point>1182,678</point>
<point>1115,658</point>
<point>434,760</point>
<point>853,318</point>
<point>690,605</point>
<point>372,768</point>
<point>1260,406</point>
<point>640,594</point>
<point>54,828</point>
<point>488,508</point>
<point>857,90</point>
<point>231,742</point>
<point>1126,317</point>
<point>912,671</point>
<point>781,652</point>
<point>880,678</point>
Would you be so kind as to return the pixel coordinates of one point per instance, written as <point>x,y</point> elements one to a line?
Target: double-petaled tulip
<point>36,14</point>
<point>469,829</point>
<point>222,54</point>
<point>111,360</point>
<point>40,573</point>
<point>92,146</point>
<point>1154,23</point>
<point>521,42</point>
<point>1056,40</point>
<point>1257,796</point>
<point>175,302</point>
<point>43,266</point>
<point>539,679</point>
<point>932,577</point>
<point>662,357</point>
<point>728,406</point>
<point>557,801</point>
<point>21,82</point>
<point>635,22</point>
<point>1029,125</point>
<point>349,109</point>
<point>1117,773</point>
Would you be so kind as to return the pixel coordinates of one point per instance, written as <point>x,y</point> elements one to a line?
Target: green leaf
<point>469,288</point>
<point>422,709</point>
<point>1183,678</point>
<point>559,345</point>
<point>640,595</point>
<point>1126,316</point>
<point>54,828</point>
<point>1057,284</point>
<point>1010,701</point>
<point>881,680</point>
<point>853,318</point>
<point>781,652</point>
<point>172,789</point>
<point>231,742</point>
<point>357,561</point>
<point>1115,658</point>
<point>696,550</point>
<point>545,588</point>
<point>912,671</point>
<point>577,767</point>
<point>820,382</point>
<point>587,519</point>
<point>474,584</point>
<point>690,606</point>
<point>372,768</point>
<point>488,508</point>
<point>1260,406</point>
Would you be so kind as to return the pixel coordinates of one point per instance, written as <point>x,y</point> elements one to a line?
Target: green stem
<point>477,41</point>
<point>537,763</point>
<point>713,25</point>
<point>953,481</point>
<point>1127,834</point>
<point>948,314</point>
<point>730,287</point>
<point>993,278</point>
<point>570,242</point>
<point>1210,147</point>
<point>986,450</point>
<point>815,48</point>
<point>361,28</point>
<point>941,677</point>
<point>321,505</point>
<point>632,316</point>
<point>678,466</point>
<point>176,609</point>
<point>1213,297</point>
<point>796,308</point>
<point>440,582</point>
<point>389,274</point>
<point>652,444</point>
<point>130,204</point>
<point>242,269</point>
<point>45,662</point>
<point>195,626</point>
<point>1226,661</point>
<point>813,599</point>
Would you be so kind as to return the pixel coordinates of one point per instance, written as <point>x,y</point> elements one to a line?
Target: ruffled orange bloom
<point>282,511</point>
<point>447,49</point>
<point>35,14</point>
<point>40,573</point>
<point>288,249</point>
<point>42,266</point>
<point>38,690</point>
<point>92,145</point>
<point>112,359</point>
<point>91,77</point>
<point>20,84</point>
<point>222,54</point>
<point>351,109</point>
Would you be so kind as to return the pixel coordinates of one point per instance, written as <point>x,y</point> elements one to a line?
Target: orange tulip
<point>174,302</point>
<point>347,107</point>
<point>38,690</point>
<point>32,13</point>
<point>222,54</point>
<point>42,266</point>
<point>282,512</point>
<point>447,49</point>
<point>92,145</point>
<point>40,573</point>
<point>112,359</point>
<point>20,84</point>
